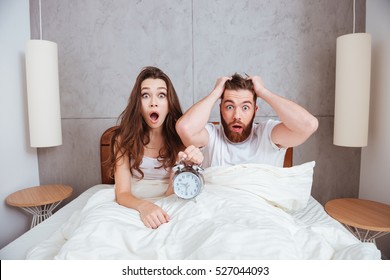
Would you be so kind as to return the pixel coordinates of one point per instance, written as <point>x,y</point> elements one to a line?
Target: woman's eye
<point>162,95</point>
<point>145,95</point>
<point>229,107</point>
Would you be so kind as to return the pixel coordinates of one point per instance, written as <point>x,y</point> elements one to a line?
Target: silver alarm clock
<point>188,181</point>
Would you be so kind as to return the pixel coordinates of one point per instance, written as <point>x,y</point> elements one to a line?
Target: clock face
<point>187,185</point>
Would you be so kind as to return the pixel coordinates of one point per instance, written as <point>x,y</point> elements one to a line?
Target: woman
<point>145,145</point>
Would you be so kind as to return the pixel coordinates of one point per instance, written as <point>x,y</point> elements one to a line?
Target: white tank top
<point>148,167</point>
<point>155,182</point>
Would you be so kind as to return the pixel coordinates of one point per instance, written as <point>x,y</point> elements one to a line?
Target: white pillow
<point>287,188</point>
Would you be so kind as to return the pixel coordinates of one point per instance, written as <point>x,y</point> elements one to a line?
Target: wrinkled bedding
<point>248,211</point>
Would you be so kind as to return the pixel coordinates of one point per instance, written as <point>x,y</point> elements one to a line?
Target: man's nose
<point>237,114</point>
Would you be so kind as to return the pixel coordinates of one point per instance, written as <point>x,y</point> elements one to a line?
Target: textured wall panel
<point>103,45</point>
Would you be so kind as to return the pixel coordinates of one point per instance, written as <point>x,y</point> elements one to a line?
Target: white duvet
<point>246,211</point>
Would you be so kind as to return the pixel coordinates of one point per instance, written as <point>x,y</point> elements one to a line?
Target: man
<point>238,139</point>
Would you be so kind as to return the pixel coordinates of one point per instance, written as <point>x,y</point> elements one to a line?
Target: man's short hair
<point>238,82</point>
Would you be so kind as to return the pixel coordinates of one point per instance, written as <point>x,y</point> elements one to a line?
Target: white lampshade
<point>352,100</point>
<point>43,93</point>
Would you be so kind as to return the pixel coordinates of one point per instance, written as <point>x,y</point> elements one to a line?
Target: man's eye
<point>245,108</point>
<point>229,107</point>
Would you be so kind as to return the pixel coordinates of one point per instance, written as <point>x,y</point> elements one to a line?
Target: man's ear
<point>257,108</point>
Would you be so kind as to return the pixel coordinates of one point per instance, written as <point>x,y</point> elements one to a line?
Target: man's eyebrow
<point>244,102</point>
<point>228,100</point>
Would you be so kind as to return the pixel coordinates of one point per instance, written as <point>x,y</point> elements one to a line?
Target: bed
<point>248,211</point>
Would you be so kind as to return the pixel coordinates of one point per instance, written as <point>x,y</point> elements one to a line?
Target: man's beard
<point>237,137</point>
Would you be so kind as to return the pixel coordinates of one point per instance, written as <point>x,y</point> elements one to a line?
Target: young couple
<point>153,133</point>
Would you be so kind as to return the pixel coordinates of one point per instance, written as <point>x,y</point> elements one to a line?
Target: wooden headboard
<point>105,152</point>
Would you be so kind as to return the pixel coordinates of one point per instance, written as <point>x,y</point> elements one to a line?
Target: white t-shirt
<point>257,148</point>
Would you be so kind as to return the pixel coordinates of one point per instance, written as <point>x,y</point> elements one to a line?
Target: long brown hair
<point>132,133</point>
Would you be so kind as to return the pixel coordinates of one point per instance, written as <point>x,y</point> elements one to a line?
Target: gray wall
<point>19,162</point>
<point>103,45</point>
<point>374,175</point>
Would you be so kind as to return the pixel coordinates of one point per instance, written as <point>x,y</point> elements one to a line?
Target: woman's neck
<point>156,142</point>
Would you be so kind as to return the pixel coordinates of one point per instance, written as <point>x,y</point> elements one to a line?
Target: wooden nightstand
<point>39,201</point>
<point>366,219</point>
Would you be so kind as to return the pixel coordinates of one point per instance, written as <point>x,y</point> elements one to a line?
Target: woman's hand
<point>191,154</point>
<point>152,215</point>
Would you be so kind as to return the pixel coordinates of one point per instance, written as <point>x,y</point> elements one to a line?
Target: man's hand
<point>258,85</point>
<point>191,154</point>
<point>220,86</point>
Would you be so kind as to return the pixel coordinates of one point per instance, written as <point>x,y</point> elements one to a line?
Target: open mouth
<point>154,116</point>
<point>237,128</point>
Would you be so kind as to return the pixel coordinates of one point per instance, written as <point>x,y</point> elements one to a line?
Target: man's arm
<point>191,126</point>
<point>297,123</point>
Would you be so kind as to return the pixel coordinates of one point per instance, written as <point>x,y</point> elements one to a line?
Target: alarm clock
<point>187,181</point>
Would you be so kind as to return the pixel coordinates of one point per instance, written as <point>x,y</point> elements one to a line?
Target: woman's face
<point>154,99</point>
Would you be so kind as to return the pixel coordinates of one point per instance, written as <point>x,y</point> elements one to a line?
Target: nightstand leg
<point>366,235</point>
<point>40,213</point>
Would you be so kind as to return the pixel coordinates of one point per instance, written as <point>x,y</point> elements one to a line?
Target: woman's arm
<point>151,215</point>
<point>170,187</point>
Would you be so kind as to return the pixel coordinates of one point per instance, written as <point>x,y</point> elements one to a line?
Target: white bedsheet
<point>244,212</point>
<point>17,249</point>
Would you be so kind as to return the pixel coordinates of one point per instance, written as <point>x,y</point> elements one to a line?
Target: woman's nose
<point>153,102</point>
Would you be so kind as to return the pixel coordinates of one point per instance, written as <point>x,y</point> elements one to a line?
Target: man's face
<point>238,110</point>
